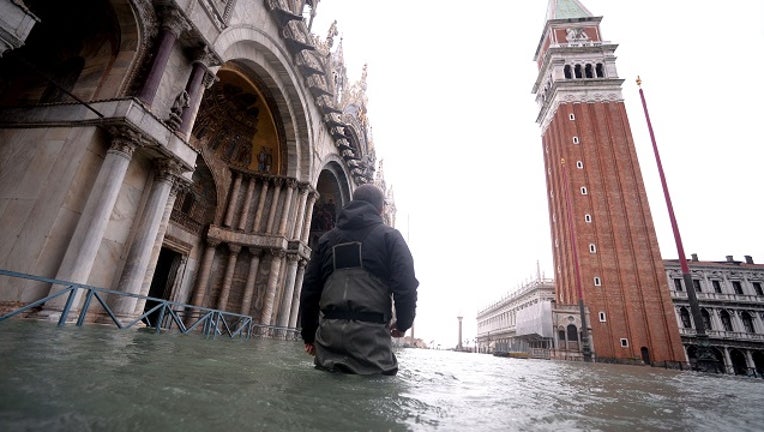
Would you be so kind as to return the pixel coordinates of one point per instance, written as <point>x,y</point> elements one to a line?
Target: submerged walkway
<point>162,315</point>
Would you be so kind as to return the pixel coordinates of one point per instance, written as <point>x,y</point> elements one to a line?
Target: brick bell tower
<point>605,248</point>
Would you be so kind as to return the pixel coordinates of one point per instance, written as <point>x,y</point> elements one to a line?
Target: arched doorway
<point>645,355</point>
<point>739,365</point>
<point>758,363</point>
<point>334,192</point>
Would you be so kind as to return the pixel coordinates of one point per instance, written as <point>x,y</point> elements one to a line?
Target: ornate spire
<point>566,9</point>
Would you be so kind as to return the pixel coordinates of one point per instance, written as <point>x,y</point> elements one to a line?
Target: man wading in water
<point>346,304</point>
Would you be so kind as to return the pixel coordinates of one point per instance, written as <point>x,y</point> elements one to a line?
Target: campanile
<point>604,244</point>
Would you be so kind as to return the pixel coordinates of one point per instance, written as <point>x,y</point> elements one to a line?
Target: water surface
<point>103,379</point>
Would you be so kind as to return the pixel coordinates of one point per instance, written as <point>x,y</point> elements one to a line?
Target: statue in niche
<point>176,112</point>
<point>264,160</point>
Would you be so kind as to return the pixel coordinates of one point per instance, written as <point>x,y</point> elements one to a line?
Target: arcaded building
<point>187,150</point>
<point>605,249</point>
<point>730,294</point>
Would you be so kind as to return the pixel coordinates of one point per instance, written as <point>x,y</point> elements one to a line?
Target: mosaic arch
<point>334,192</point>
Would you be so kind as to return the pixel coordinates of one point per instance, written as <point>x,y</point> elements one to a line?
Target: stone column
<point>158,245</point>
<point>146,233</point>
<point>278,184</point>
<point>203,276</point>
<point>260,205</point>
<point>233,199</point>
<point>247,204</point>
<point>312,198</point>
<point>201,78</point>
<point>290,184</point>
<point>296,231</point>
<point>286,298</point>
<point>249,287</point>
<point>728,368</point>
<point>91,226</point>
<point>277,256</point>
<point>172,26</point>
<point>294,312</point>
<point>228,278</point>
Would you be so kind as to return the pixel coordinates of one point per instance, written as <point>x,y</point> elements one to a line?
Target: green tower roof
<point>566,9</point>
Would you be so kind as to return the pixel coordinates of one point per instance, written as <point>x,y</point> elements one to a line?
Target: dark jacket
<point>385,255</point>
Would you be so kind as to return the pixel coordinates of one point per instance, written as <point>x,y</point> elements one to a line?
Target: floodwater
<point>103,379</point>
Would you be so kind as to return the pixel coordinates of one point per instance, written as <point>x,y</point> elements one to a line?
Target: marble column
<point>312,198</point>
<point>83,247</point>
<point>251,183</point>
<point>296,231</point>
<point>286,298</point>
<point>290,184</point>
<point>203,276</point>
<point>201,78</point>
<point>260,206</point>
<point>278,183</point>
<point>277,256</point>
<point>728,367</point>
<point>249,287</point>
<point>294,312</point>
<point>146,230</point>
<point>172,26</point>
<point>158,242</point>
<point>225,292</point>
<point>233,199</point>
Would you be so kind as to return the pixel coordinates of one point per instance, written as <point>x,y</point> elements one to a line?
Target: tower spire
<point>566,9</point>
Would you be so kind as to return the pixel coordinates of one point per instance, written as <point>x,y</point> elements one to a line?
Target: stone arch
<point>86,49</point>
<point>255,50</point>
<point>333,187</point>
<point>739,365</point>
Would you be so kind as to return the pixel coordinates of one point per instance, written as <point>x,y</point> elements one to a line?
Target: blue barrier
<point>210,322</point>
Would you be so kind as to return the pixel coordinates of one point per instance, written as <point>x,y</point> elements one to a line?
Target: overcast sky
<point>453,117</point>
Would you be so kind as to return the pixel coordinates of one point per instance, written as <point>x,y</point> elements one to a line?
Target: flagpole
<point>705,360</point>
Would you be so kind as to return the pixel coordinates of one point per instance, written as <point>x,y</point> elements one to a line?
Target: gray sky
<point>453,117</point>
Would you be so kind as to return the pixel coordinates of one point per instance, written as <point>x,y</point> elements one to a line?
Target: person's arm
<point>312,286</point>
<point>403,282</point>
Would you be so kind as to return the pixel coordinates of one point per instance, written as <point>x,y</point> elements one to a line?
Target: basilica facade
<point>189,150</point>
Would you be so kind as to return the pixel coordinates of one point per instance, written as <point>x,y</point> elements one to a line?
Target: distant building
<point>519,322</point>
<point>730,294</point>
<point>731,297</point>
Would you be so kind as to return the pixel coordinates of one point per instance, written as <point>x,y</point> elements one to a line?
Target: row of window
<point>737,286</point>
<point>726,320</point>
<point>584,71</point>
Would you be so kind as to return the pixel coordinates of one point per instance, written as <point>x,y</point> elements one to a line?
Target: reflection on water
<point>102,379</point>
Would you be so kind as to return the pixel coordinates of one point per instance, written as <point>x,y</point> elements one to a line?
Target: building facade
<point>605,249</point>
<point>521,322</point>
<point>188,150</point>
<point>731,298</point>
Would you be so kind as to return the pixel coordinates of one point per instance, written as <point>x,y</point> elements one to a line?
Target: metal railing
<point>165,315</point>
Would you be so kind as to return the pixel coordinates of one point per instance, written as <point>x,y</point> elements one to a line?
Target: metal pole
<point>586,349</point>
<point>705,360</point>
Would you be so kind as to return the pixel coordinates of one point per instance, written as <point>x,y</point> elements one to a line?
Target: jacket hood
<point>358,214</point>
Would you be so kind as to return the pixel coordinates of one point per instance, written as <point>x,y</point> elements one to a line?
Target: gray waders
<point>353,334</point>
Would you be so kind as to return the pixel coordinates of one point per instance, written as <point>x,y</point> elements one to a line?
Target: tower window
<point>597,281</point>
<point>568,72</point>
<point>572,116</point>
<point>589,71</point>
<point>579,73</point>
<point>592,248</point>
<point>602,317</point>
<point>600,70</point>
<point>584,191</point>
<point>624,343</point>
<point>587,218</point>
<point>579,165</point>
<point>575,140</point>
